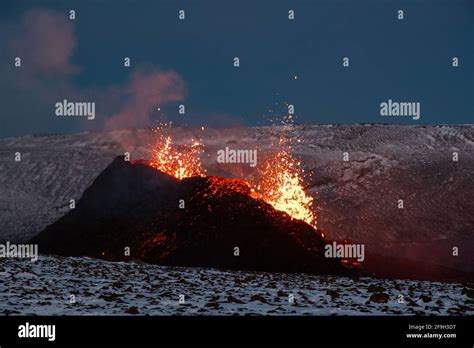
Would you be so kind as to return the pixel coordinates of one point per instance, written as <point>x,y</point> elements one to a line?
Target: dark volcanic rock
<point>468,292</point>
<point>379,298</point>
<point>333,293</point>
<point>132,310</point>
<point>375,288</point>
<point>134,205</point>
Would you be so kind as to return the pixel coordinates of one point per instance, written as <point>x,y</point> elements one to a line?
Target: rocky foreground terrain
<point>357,199</point>
<point>99,287</point>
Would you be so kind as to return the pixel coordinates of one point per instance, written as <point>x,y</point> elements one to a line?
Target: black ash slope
<point>134,205</point>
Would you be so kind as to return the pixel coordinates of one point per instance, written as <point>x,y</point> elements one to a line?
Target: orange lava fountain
<point>281,185</point>
<point>281,178</point>
<point>180,161</point>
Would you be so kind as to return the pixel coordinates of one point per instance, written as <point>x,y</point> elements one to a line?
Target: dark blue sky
<point>408,60</point>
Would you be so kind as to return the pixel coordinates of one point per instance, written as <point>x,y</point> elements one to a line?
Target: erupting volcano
<point>166,211</point>
<point>279,182</point>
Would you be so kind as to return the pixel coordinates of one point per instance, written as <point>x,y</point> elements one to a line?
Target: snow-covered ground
<point>45,287</point>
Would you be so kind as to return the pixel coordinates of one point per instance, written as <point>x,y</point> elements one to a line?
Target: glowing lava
<point>280,181</point>
<point>281,185</point>
<point>180,161</point>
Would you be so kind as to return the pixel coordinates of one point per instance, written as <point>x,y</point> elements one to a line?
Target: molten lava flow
<point>179,161</point>
<point>281,186</point>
